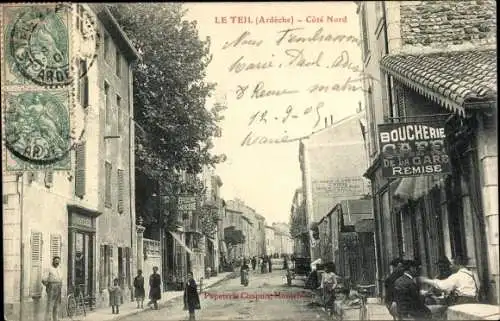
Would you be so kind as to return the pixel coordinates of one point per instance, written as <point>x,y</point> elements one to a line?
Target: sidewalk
<point>130,308</point>
<point>376,311</point>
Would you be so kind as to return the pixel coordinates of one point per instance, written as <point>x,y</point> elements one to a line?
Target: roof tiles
<point>451,78</point>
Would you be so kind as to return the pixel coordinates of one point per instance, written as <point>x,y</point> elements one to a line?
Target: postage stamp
<point>37,45</point>
<point>37,130</point>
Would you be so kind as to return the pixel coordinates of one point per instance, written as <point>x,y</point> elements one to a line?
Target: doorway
<point>81,259</point>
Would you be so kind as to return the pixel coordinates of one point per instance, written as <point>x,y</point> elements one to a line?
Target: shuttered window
<point>107,103</point>
<point>49,178</point>
<point>107,191</point>
<point>55,246</point>
<point>84,84</point>
<point>80,170</point>
<point>121,188</point>
<point>102,268</point>
<point>119,113</point>
<point>36,264</point>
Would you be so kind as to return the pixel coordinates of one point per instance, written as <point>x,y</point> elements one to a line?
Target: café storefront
<point>430,178</point>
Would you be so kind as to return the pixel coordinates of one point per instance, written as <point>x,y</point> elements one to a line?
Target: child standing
<point>139,292</point>
<point>115,296</point>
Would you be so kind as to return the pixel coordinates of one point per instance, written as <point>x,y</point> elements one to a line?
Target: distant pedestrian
<point>254,263</point>
<point>191,297</point>
<point>115,296</point>
<point>262,265</point>
<point>285,263</point>
<point>154,288</point>
<point>53,284</point>
<point>270,263</point>
<point>139,291</point>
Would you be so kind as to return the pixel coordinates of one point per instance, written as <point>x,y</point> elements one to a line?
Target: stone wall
<point>447,23</point>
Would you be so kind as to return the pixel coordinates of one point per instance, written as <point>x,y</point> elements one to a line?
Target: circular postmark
<point>37,126</point>
<point>40,46</point>
<point>40,41</point>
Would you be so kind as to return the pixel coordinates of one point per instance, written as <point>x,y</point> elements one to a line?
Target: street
<point>219,302</point>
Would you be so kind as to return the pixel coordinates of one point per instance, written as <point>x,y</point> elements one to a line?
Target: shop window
<point>121,187</point>
<point>80,170</point>
<point>36,264</point>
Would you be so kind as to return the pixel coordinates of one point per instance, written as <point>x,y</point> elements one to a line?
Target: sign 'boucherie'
<point>413,150</point>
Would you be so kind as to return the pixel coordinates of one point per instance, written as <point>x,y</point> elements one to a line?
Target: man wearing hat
<point>407,293</point>
<point>396,272</point>
<point>462,285</point>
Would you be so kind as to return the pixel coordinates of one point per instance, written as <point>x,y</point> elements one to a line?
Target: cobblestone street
<point>219,303</point>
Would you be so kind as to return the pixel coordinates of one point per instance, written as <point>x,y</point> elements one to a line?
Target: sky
<point>275,84</point>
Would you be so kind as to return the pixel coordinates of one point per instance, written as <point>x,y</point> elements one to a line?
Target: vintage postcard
<point>250,161</point>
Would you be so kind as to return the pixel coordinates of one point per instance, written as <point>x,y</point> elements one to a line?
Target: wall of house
<point>427,26</point>
<point>114,228</point>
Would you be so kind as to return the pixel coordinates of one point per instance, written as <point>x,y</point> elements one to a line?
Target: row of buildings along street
<point>88,215</point>
<point>432,65</point>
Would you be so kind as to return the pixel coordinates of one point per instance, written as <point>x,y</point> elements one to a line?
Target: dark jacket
<point>389,285</point>
<point>139,291</point>
<point>408,299</point>
<point>155,287</point>
<point>191,297</point>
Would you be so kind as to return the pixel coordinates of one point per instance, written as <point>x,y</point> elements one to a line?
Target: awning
<point>181,243</point>
<point>456,80</point>
<point>412,188</point>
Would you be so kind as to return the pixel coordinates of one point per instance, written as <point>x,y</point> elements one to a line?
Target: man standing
<point>407,294</point>
<point>53,284</point>
<point>396,272</point>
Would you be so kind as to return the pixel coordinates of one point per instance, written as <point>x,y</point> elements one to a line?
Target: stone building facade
<point>332,163</point>
<point>52,213</point>
<point>435,60</point>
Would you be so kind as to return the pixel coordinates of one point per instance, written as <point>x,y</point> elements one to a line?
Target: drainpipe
<point>389,84</point>
<point>131,168</point>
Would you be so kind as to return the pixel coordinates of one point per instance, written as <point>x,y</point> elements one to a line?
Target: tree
<point>174,129</point>
<point>233,237</point>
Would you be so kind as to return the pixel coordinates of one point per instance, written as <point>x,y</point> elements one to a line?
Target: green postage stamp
<point>36,86</point>
<point>37,130</point>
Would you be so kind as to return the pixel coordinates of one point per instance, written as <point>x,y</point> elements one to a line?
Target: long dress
<point>155,287</point>
<point>191,297</point>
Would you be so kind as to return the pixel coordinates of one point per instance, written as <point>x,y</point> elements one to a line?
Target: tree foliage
<point>174,129</point>
<point>233,236</point>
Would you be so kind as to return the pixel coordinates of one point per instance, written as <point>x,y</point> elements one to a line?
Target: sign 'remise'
<point>413,149</point>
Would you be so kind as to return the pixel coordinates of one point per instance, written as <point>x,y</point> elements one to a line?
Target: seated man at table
<point>462,286</point>
<point>407,293</point>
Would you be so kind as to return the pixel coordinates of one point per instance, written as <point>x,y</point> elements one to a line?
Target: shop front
<point>81,252</point>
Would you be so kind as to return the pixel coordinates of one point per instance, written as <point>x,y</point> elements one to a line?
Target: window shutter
<point>128,266</point>
<point>110,264</point>
<point>102,267</point>
<point>55,245</point>
<point>36,264</point>
<point>80,170</point>
<point>5,199</point>
<point>120,190</point>
<point>49,178</point>
<point>84,84</point>
<point>107,191</point>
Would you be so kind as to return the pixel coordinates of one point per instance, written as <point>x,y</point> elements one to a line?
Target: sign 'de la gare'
<point>413,149</point>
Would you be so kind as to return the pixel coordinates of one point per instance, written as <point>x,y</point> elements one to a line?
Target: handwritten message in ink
<point>287,79</point>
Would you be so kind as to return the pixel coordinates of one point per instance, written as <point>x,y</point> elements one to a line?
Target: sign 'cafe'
<point>413,149</point>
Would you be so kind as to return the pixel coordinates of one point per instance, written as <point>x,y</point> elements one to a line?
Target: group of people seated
<point>407,296</point>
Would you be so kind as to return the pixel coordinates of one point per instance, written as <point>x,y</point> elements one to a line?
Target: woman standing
<point>139,291</point>
<point>191,298</point>
<point>154,288</point>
